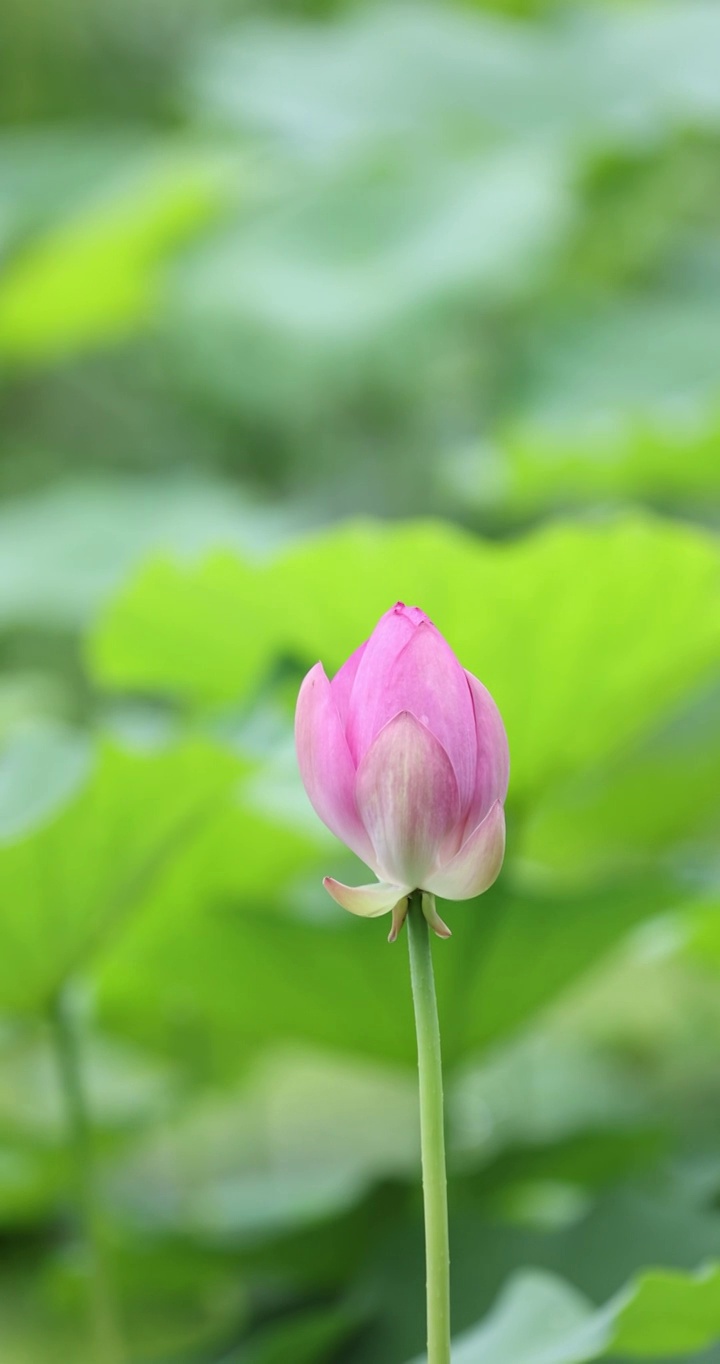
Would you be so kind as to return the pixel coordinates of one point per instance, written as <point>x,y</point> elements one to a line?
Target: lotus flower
<point>404,757</point>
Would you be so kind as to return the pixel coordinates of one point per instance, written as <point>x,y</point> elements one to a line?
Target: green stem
<point>64,1024</point>
<point>432,1137</point>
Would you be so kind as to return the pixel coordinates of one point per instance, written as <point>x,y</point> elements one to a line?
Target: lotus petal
<point>474,868</point>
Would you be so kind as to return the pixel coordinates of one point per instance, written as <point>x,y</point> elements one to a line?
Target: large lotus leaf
<point>212,982</point>
<point>542,1320</point>
<point>603,378</point>
<point>419,71</point>
<point>637,451</point>
<point>202,631</point>
<point>368,76</point>
<point>46,170</point>
<point>357,254</point>
<point>433,159</point>
<point>71,879</point>
<point>601,1257</point>
<point>658,797</point>
<point>48,539</point>
<point>307,1134</point>
<point>228,982</point>
<point>92,276</point>
<point>569,627</point>
<point>304,1141</point>
<point>702,934</point>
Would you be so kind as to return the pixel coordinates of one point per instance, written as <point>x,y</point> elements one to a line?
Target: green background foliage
<point>307,307</point>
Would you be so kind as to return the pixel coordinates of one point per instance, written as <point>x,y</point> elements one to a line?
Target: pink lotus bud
<point>405,758</point>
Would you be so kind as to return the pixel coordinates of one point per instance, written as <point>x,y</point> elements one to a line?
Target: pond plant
<point>404,756</point>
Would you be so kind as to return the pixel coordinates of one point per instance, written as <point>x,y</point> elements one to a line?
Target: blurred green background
<point>304,308</point>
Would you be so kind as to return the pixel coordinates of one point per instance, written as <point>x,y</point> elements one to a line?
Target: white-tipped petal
<point>432,917</point>
<point>367,901</point>
<point>399,915</point>
<point>474,868</point>
<point>407,797</point>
